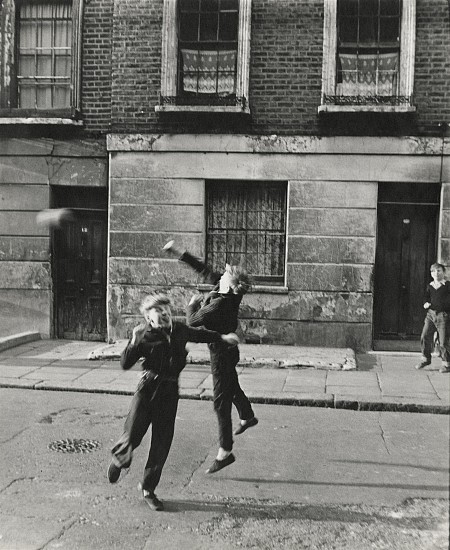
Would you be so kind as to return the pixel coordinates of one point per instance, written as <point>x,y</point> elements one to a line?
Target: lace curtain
<point>209,72</point>
<point>368,74</point>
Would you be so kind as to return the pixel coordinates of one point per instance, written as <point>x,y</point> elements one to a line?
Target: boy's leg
<point>136,426</point>
<point>426,340</point>
<point>443,329</point>
<point>163,425</point>
<point>224,384</point>
<point>240,400</point>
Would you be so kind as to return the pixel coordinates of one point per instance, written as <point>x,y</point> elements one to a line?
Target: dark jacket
<point>165,354</point>
<point>219,311</point>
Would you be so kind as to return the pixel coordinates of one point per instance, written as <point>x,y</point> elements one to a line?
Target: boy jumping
<point>162,343</point>
<point>219,311</point>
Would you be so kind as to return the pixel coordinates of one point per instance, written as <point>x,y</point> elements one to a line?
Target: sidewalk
<point>287,375</point>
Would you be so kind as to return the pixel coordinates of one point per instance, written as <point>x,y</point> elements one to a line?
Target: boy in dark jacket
<point>437,304</point>
<point>219,312</point>
<point>162,343</point>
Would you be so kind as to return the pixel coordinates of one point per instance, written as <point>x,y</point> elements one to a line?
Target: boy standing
<point>162,343</point>
<point>437,304</point>
<point>219,312</point>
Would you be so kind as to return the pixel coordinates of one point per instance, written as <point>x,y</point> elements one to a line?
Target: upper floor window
<point>44,53</point>
<point>368,55</point>
<point>39,58</point>
<point>205,59</point>
<point>246,225</point>
<point>207,49</point>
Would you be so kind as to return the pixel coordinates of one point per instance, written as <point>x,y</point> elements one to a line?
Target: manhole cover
<point>74,445</point>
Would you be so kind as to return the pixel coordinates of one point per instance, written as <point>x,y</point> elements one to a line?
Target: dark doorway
<point>79,264</point>
<point>406,247</point>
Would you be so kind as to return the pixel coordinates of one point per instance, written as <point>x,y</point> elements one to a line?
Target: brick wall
<point>96,65</point>
<point>432,76</point>
<point>136,64</point>
<point>285,75</point>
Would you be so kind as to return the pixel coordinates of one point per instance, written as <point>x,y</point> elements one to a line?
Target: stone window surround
<point>19,116</point>
<point>407,52</point>
<point>169,62</point>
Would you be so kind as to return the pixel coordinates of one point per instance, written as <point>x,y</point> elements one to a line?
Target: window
<point>246,225</point>
<point>368,55</point>
<point>205,55</point>
<point>207,50</point>
<point>40,58</point>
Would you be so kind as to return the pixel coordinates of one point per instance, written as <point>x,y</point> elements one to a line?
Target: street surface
<point>304,478</point>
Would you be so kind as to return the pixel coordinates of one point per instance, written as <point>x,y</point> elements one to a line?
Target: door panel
<point>406,247</point>
<point>80,271</point>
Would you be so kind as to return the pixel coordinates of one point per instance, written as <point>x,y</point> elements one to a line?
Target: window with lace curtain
<point>205,55</point>
<point>246,226</point>
<point>368,55</point>
<point>40,57</point>
<point>207,45</point>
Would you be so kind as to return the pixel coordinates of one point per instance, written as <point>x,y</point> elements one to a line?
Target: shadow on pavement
<point>269,510</point>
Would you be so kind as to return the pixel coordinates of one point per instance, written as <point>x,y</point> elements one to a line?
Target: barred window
<point>44,52</point>
<point>246,225</point>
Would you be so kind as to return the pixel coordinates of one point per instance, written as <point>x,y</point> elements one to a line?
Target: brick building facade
<point>342,171</point>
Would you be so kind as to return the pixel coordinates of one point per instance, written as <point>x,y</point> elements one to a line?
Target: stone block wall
<point>444,229</point>
<point>145,213</point>
<point>157,193</point>
<point>28,167</point>
<point>331,252</point>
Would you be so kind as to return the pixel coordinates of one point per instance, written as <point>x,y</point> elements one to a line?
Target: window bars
<point>246,226</point>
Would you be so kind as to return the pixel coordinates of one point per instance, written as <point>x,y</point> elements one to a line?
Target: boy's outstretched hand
<point>231,339</point>
<point>138,333</point>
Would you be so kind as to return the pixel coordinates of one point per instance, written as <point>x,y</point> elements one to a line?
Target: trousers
<point>440,323</point>
<point>155,403</point>
<point>227,391</point>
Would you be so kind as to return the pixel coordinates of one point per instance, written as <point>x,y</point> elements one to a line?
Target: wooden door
<point>406,247</point>
<point>80,272</point>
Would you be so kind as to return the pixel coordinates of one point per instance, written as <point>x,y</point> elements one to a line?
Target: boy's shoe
<point>113,473</point>
<point>219,464</point>
<point>248,424</point>
<point>422,364</point>
<point>444,369</point>
<point>151,499</point>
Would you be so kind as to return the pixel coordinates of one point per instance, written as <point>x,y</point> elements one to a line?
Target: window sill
<point>256,289</point>
<point>41,120</point>
<point>202,109</point>
<point>366,108</point>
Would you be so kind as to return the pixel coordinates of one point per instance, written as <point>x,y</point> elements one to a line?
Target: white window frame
<point>13,115</point>
<point>169,53</point>
<point>407,53</point>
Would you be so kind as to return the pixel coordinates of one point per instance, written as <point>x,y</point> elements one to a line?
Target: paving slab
<point>268,374</point>
<point>256,355</point>
<point>11,371</point>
